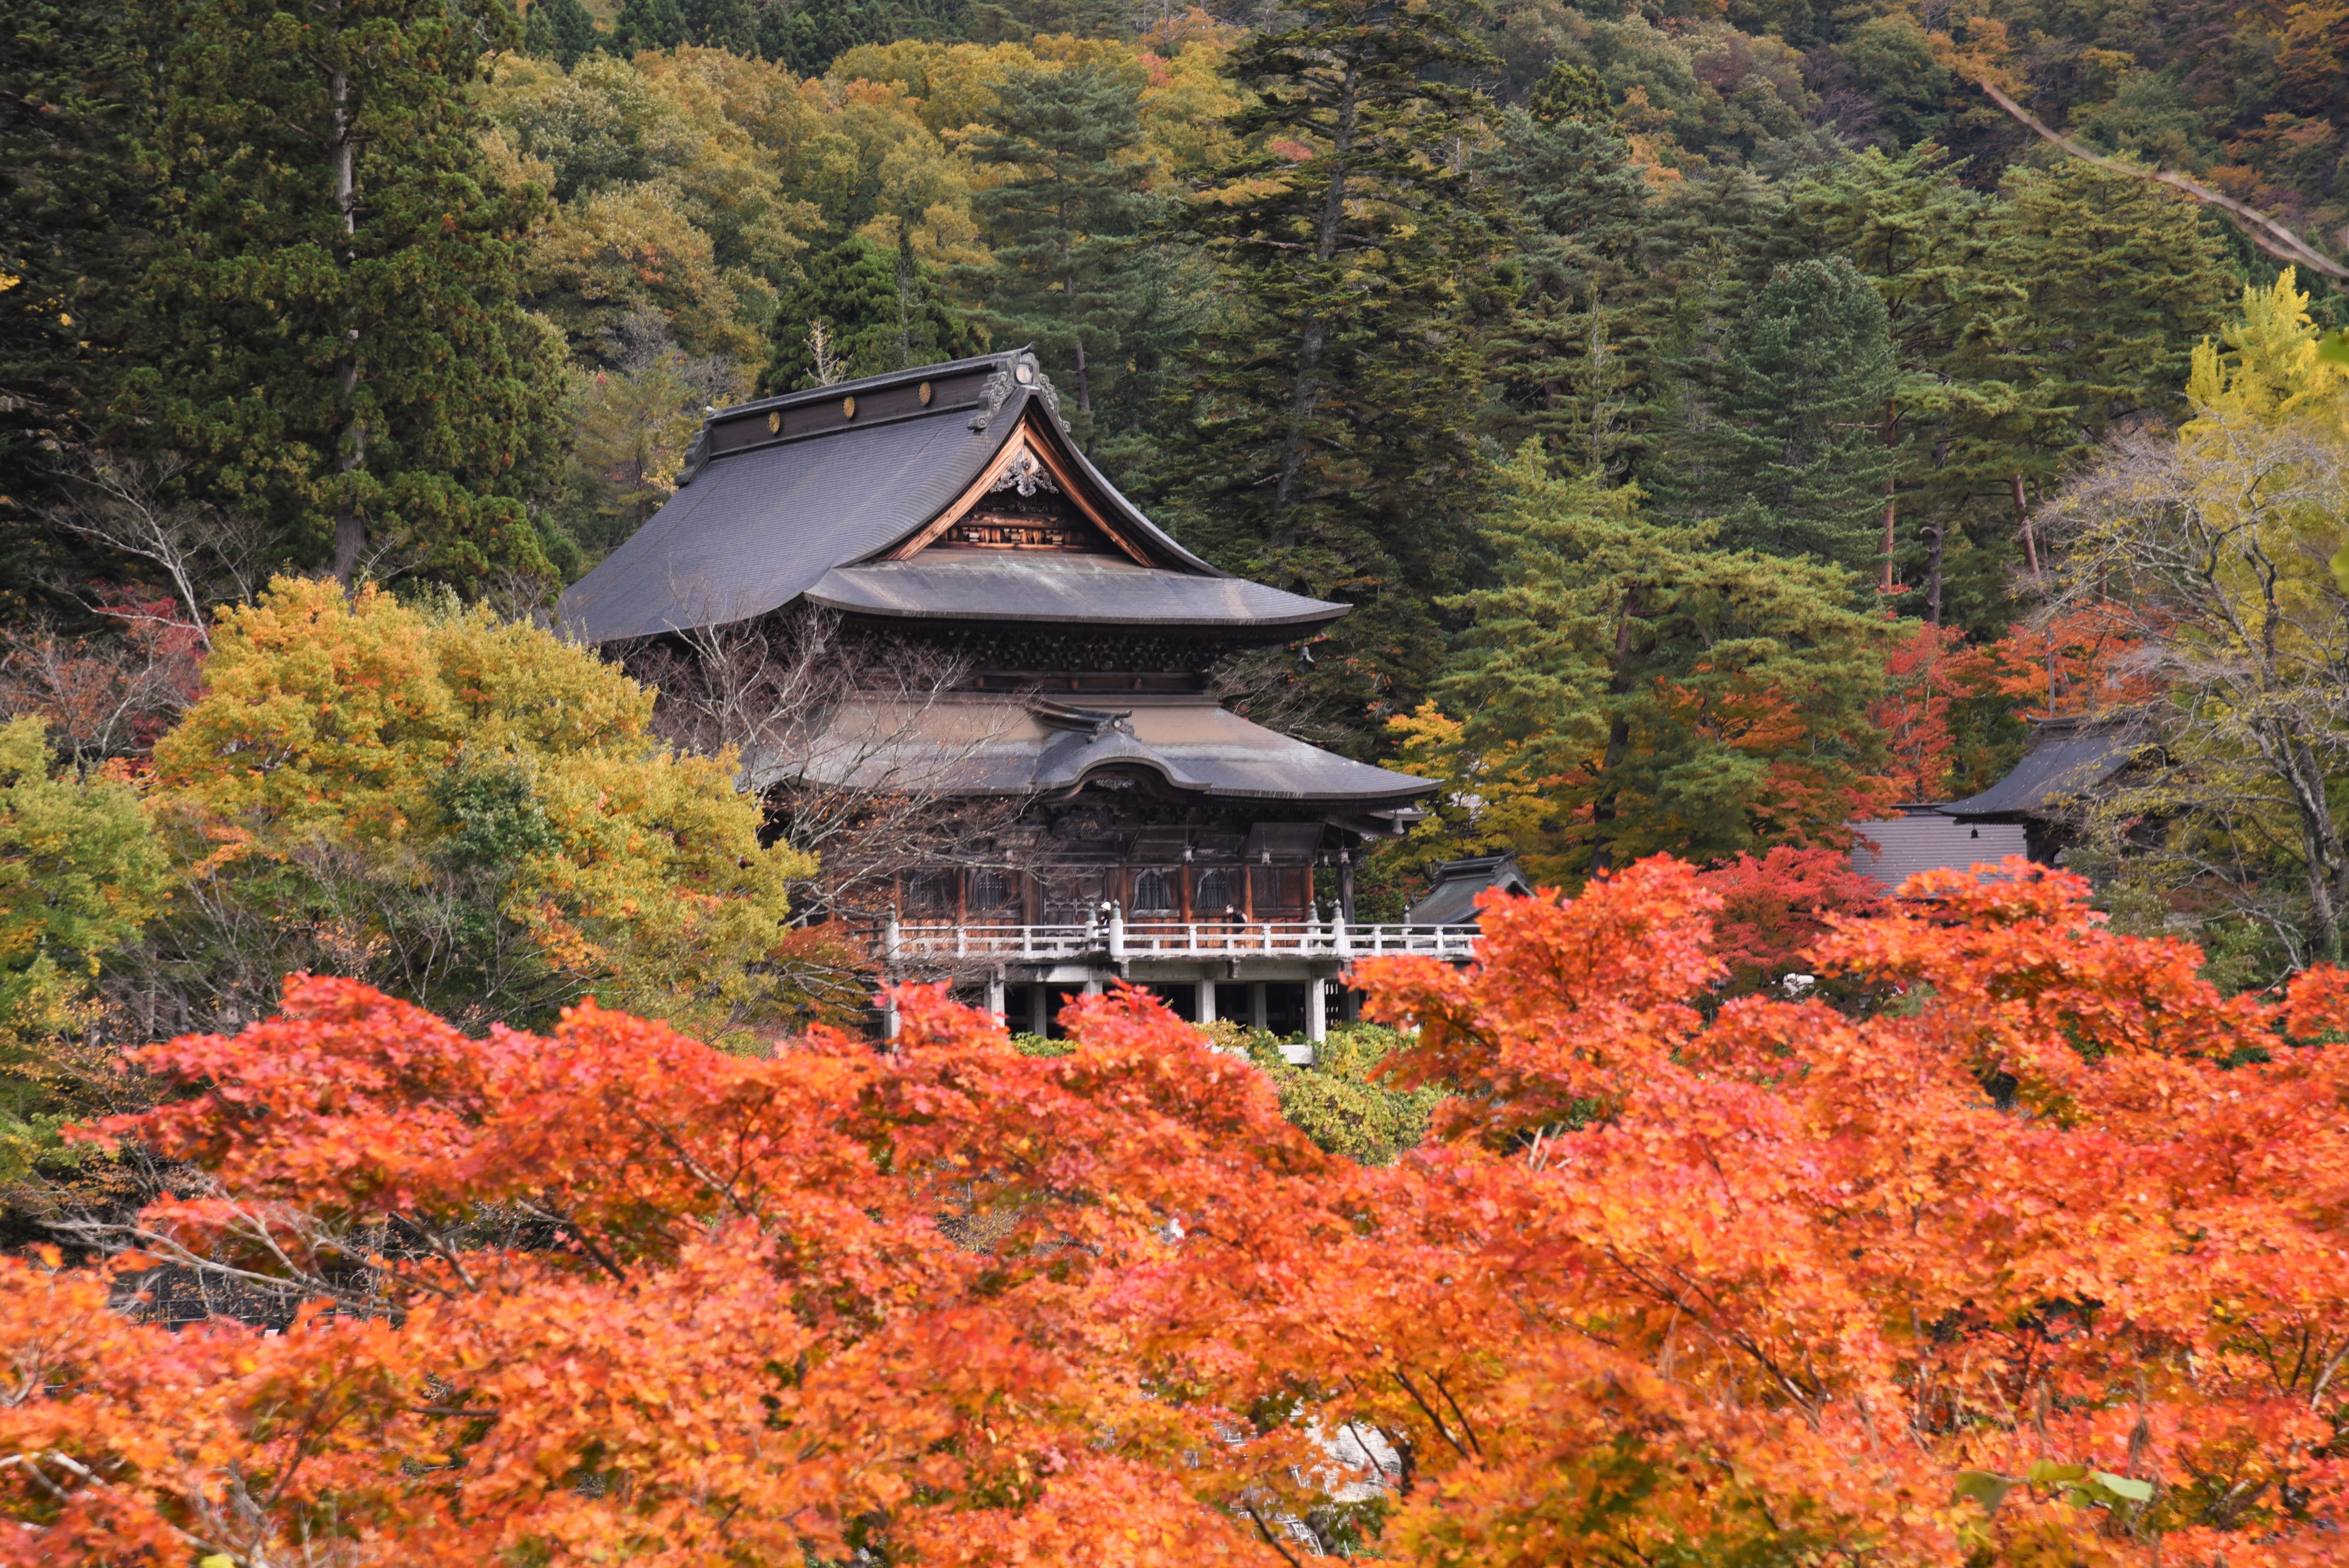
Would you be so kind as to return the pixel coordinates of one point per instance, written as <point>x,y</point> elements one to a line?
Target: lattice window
<point>1152,895</point>
<point>1213,894</point>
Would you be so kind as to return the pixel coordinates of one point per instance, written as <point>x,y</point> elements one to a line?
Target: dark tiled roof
<point>969,585</point>
<point>784,491</point>
<point>1453,900</point>
<point>2067,758</point>
<point>1925,840</point>
<point>1005,746</point>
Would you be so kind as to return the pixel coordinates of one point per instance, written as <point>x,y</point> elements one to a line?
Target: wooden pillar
<point>995,993</point>
<point>1039,1010</point>
<point>1255,1006</point>
<point>1202,1009</point>
<point>1317,1011</point>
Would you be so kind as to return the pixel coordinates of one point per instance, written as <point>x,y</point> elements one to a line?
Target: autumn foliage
<point>2041,1265</point>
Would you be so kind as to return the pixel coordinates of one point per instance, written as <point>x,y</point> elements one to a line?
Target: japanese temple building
<point>1153,835</point>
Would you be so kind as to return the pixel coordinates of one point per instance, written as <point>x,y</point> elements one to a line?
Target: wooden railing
<point>1118,939</point>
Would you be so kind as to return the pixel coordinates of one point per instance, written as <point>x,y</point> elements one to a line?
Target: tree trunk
<point>1891,437</point>
<point>1934,537</point>
<point>350,526</point>
<point>1619,741</point>
<point>2022,522</point>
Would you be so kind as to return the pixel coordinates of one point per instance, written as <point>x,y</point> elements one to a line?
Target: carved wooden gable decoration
<point>1030,500</point>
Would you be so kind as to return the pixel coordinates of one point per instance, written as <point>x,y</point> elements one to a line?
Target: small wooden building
<point>1157,836</point>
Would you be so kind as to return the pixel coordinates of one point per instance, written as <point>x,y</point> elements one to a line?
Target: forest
<point>1727,421</point>
<point>1693,403</point>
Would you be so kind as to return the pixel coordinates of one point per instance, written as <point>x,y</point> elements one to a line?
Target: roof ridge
<point>1005,360</point>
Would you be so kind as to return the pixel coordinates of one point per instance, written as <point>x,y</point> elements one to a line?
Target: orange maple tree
<point>2041,1265</point>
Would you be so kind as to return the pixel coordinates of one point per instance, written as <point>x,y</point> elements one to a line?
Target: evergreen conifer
<point>1568,371</point>
<point>1331,445</point>
<point>647,25</point>
<point>808,35</point>
<point>879,311</point>
<point>329,332</point>
<point>1063,223</point>
<point>1790,456</point>
<point>729,24</point>
<point>561,31</point>
<point>1652,691</point>
<point>76,224</point>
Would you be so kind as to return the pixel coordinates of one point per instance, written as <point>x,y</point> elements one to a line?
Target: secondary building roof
<point>1453,900</point>
<point>837,495</point>
<point>2067,758</point>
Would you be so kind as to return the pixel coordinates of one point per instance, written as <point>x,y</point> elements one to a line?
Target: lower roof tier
<point>974,743</point>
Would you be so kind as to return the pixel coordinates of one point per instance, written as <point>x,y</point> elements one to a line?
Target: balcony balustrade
<point>1119,938</point>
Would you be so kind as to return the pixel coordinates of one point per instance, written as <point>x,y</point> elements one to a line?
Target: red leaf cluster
<point>2041,1266</point>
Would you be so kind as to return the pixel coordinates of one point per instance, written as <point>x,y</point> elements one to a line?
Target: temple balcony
<point>1240,969</point>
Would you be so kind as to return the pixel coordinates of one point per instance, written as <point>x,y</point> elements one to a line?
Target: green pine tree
<point>1065,221</point>
<point>1913,230</point>
<point>647,25</point>
<point>2093,292</point>
<point>1569,372</point>
<point>1330,441</point>
<point>329,332</point>
<point>1789,454</point>
<point>809,35</point>
<point>76,225</point>
<point>731,25</point>
<point>561,31</point>
<point>1629,686</point>
<point>879,312</point>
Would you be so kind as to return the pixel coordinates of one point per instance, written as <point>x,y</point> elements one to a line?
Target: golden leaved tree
<point>466,809</point>
<point>2213,550</point>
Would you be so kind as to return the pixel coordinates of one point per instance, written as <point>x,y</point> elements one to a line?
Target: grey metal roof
<point>780,491</point>
<point>1453,900</point>
<point>2067,758</point>
<point>972,743</point>
<point>1893,851</point>
<point>967,585</point>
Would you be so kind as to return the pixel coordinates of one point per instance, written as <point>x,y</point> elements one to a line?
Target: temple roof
<point>973,745</point>
<point>837,495</point>
<point>2067,758</point>
<point>1452,900</point>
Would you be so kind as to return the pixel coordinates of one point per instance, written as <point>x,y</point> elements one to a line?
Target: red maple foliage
<point>2041,1267</point>
<point>1775,905</point>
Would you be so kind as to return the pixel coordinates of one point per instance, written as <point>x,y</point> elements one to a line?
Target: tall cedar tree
<point>1908,226</point>
<point>1064,222</point>
<point>1788,455</point>
<point>561,31</point>
<point>329,330</point>
<point>809,35</point>
<point>2095,290</point>
<point>1567,372</point>
<point>1654,691</point>
<point>647,25</point>
<point>731,25</point>
<point>1331,445</point>
<point>880,312</point>
<point>74,231</point>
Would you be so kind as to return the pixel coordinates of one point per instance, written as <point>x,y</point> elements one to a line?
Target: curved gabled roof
<point>975,745</point>
<point>786,493</point>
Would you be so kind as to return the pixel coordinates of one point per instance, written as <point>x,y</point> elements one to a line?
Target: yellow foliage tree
<point>473,809</point>
<point>79,874</point>
<point>2217,550</point>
